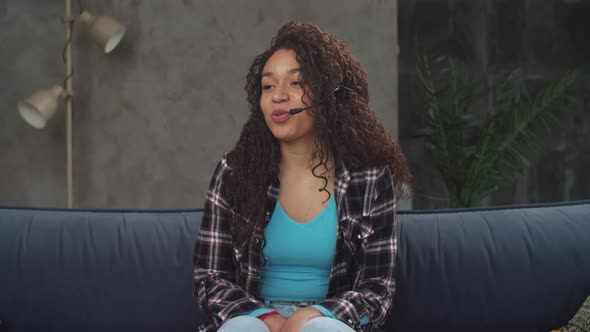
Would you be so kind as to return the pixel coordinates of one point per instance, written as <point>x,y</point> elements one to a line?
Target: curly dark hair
<point>346,128</point>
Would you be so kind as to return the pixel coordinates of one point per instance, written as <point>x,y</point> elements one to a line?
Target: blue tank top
<point>299,256</point>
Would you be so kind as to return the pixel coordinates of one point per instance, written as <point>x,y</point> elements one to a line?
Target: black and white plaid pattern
<point>227,274</point>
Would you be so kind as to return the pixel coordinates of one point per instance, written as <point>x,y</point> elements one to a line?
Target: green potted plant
<point>478,137</point>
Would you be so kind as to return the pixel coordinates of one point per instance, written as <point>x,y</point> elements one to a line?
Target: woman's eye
<point>266,87</point>
<point>296,83</point>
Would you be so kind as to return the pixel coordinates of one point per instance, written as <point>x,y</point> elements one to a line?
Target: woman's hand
<point>299,318</point>
<point>275,322</point>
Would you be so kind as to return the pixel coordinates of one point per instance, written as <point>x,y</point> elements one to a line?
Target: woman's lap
<point>326,324</point>
<point>244,324</point>
<point>253,324</point>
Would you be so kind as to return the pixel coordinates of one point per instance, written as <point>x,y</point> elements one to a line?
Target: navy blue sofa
<point>519,268</point>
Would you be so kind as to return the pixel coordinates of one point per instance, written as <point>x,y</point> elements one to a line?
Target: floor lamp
<point>38,108</point>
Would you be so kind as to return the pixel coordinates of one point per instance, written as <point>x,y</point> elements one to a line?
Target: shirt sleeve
<point>371,298</point>
<point>217,292</point>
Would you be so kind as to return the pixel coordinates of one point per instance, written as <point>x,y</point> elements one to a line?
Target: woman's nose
<point>280,94</point>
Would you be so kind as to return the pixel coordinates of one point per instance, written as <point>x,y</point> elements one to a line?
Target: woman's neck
<point>298,156</point>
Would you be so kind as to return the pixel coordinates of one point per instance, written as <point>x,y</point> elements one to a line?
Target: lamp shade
<point>38,108</point>
<point>103,30</point>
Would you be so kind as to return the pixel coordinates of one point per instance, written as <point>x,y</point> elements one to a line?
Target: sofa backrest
<point>499,269</point>
<point>97,271</point>
<point>74,270</point>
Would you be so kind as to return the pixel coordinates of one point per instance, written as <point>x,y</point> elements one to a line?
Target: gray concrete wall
<point>152,119</point>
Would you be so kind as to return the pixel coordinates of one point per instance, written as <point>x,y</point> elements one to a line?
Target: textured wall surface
<point>152,118</point>
<point>543,37</point>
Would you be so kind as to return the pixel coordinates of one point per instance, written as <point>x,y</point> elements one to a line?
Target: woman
<point>298,228</point>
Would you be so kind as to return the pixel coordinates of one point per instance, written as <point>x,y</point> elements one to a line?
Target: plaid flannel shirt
<point>227,274</point>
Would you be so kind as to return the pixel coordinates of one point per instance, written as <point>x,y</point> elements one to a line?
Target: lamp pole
<point>38,108</point>
<point>68,83</point>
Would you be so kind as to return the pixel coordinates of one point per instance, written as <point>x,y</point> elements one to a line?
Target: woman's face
<point>282,91</point>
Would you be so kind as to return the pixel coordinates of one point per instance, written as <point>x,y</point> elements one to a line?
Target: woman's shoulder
<point>221,173</point>
<point>217,193</point>
<point>367,172</point>
<point>223,165</point>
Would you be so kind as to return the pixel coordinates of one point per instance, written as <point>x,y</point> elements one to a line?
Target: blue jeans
<point>253,324</point>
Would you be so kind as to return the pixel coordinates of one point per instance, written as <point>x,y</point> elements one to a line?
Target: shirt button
<point>350,321</point>
<point>257,240</point>
<point>359,236</point>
